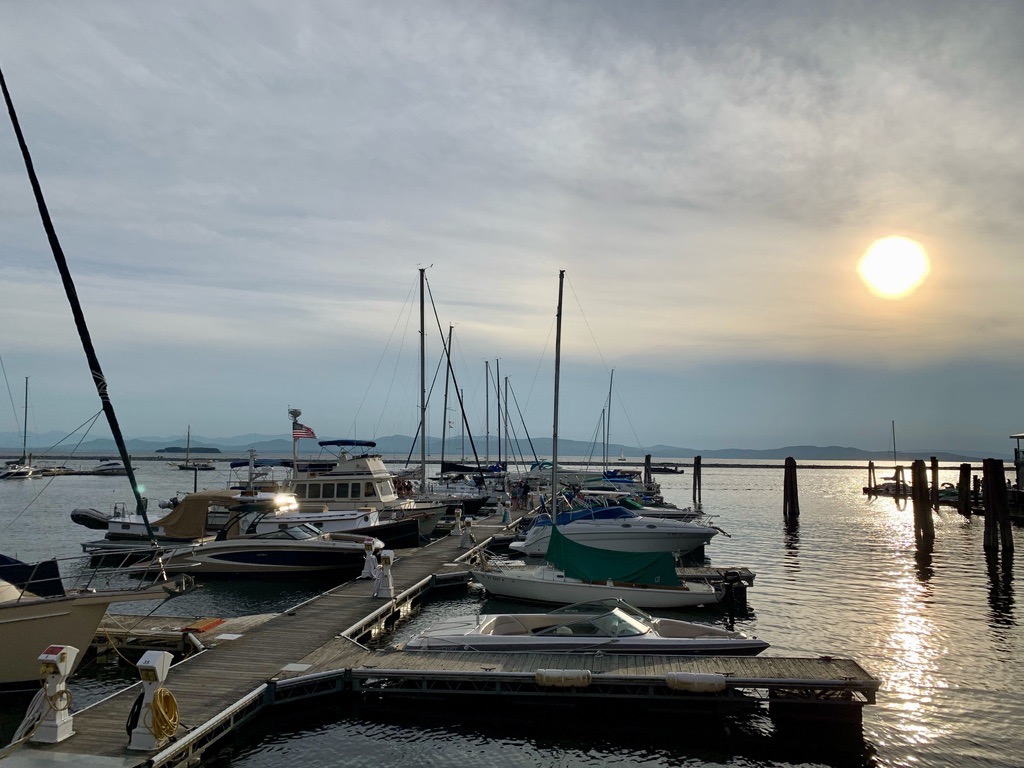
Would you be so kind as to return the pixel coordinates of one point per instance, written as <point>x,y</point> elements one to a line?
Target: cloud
<point>249,181</point>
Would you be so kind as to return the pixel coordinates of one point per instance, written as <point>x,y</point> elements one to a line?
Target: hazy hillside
<point>400,445</point>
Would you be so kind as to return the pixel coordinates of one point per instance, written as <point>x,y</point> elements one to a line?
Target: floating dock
<point>314,650</point>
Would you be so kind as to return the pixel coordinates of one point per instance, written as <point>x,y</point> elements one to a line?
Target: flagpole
<point>294,413</point>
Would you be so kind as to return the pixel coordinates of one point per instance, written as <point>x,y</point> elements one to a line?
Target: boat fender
<point>562,678</point>
<point>692,682</point>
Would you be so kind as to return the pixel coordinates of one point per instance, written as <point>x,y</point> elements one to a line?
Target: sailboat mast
<point>608,422</point>
<point>447,380</point>
<point>487,411</point>
<point>24,429</point>
<point>497,402</point>
<point>554,426</point>
<point>76,310</point>
<point>423,388</point>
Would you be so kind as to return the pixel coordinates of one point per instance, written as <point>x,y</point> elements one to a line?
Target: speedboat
<point>298,550</point>
<point>37,610</point>
<point>109,468</point>
<point>607,626</point>
<point>616,528</point>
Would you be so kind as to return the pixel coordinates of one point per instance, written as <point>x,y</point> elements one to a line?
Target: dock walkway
<point>311,650</point>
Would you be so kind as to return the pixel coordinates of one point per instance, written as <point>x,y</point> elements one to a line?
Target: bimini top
<point>366,443</point>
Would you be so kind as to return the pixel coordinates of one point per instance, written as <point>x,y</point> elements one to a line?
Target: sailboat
<point>188,464</point>
<point>575,572</point>
<point>18,469</point>
<point>37,608</point>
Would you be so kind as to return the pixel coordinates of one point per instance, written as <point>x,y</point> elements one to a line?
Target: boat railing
<point>81,574</point>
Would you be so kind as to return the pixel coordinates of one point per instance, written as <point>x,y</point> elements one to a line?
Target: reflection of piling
<point>696,479</point>
<point>997,509</point>
<point>963,491</point>
<point>901,483</point>
<point>790,497</point>
<point>924,527</point>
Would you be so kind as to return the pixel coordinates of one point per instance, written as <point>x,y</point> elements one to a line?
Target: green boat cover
<point>578,561</point>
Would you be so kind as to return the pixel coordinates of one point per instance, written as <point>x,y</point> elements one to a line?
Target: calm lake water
<point>941,631</point>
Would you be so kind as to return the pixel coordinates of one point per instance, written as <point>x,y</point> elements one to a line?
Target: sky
<point>246,193</point>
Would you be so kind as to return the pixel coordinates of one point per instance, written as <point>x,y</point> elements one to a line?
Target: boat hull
<point>28,627</point>
<point>628,535</point>
<point>546,584</point>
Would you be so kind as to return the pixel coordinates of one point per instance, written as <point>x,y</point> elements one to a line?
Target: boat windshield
<point>614,623</point>
<point>299,532</point>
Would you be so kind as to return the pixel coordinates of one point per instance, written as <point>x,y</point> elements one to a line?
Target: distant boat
<point>18,469</point>
<point>109,468</point>
<point>188,464</point>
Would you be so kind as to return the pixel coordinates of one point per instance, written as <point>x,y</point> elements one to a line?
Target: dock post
<point>696,479</point>
<point>872,482</point>
<point>648,479</point>
<point>989,471</point>
<point>924,527</point>
<point>935,483</point>
<point>963,487</point>
<point>790,497</point>
<point>997,509</point>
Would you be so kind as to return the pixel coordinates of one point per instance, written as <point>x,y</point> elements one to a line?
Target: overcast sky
<point>245,192</point>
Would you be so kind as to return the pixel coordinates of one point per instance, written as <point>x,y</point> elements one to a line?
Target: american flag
<point>301,430</point>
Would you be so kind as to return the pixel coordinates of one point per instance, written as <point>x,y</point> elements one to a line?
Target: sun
<point>894,266</point>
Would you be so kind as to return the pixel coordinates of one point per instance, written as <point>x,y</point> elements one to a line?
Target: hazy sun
<point>894,266</point>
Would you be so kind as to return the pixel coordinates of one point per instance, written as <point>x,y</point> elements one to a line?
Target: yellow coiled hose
<point>162,718</point>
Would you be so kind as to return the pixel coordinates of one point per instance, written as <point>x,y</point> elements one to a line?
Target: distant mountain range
<point>53,443</point>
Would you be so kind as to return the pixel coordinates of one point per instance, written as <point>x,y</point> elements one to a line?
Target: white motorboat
<point>353,493</point>
<point>575,572</point>
<point>605,626</point>
<point>616,528</point>
<point>109,468</point>
<point>298,550</point>
<point>37,610</point>
<point>547,583</point>
<point>186,523</point>
<point>17,471</point>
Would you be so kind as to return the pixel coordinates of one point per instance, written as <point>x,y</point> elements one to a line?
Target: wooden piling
<point>872,482</point>
<point>990,472</point>
<point>935,483</point>
<point>648,479</point>
<point>997,507</point>
<point>963,487</point>
<point>790,497</point>
<point>924,527</point>
<point>696,479</point>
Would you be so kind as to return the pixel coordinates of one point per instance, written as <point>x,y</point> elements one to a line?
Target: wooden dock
<point>313,650</point>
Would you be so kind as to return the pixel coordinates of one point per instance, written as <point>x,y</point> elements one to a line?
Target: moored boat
<point>605,626</point>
